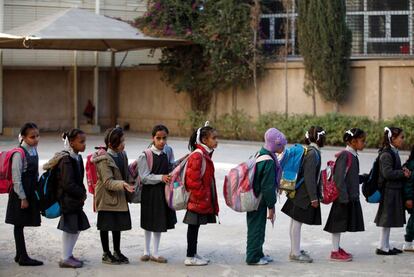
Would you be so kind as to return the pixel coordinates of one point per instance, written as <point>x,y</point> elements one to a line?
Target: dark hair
<point>312,136</point>
<point>354,133</point>
<point>204,133</point>
<point>25,128</point>
<point>113,137</point>
<point>395,132</point>
<point>72,134</point>
<point>158,128</point>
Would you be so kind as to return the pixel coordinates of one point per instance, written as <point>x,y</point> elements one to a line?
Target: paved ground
<point>223,243</point>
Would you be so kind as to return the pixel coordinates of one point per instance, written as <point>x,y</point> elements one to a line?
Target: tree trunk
<point>314,102</point>
<point>336,107</point>
<point>215,106</point>
<point>234,92</point>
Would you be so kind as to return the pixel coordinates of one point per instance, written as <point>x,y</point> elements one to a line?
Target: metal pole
<point>75,89</point>
<point>96,76</point>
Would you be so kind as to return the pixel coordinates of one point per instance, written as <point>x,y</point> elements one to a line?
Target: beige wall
<point>379,89</point>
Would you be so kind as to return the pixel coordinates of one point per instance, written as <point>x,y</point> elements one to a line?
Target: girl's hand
<point>315,203</point>
<point>407,172</point>
<point>409,204</point>
<point>24,204</point>
<point>129,188</point>
<point>166,178</point>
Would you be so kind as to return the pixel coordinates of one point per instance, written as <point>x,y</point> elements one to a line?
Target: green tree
<point>225,50</point>
<point>325,45</point>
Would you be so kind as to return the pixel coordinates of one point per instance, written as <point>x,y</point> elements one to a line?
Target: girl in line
<point>266,181</point>
<point>110,194</point>
<point>304,206</point>
<point>156,216</point>
<point>391,179</point>
<point>23,208</point>
<point>346,212</point>
<point>203,205</point>
<point>71,193</point>
<point>409,198</point>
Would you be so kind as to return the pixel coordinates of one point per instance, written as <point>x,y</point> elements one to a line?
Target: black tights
<point>192,236</point>
<point>20,243</point>
<point>116,238</point>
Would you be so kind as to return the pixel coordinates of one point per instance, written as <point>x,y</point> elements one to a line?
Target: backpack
<point>6,182</point>
<point>329,189</point>
<point>291,164</point>
<point>47,194</point>
<point>371,188</point>
<point>46,191</point>
<point>176,194</point>
<point>90,170</point>
<point>238,185</point>
<point>135,197</point>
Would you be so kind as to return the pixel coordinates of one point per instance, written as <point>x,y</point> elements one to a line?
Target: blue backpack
<point>47,194</point>
<point>291,164</point>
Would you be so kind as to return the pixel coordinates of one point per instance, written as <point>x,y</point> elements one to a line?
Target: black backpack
<point>371,188</point>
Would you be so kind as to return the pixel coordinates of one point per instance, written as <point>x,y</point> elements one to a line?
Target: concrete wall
<point>379,89</point>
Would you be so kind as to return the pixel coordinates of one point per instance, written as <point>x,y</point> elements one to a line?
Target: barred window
<point>379,27</point>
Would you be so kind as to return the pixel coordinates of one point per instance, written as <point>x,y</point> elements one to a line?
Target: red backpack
<point>6,182</point>
<point>329,189</point>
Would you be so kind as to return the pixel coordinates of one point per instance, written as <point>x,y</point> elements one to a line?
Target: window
<point>379,27</point>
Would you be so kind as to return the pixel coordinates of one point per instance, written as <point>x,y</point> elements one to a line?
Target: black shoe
<point>396,251</point>
<point>121,258</point>
<point>386,253</point>
<point>107,258</point>
<point>27,261</point>
<point>16,259</point>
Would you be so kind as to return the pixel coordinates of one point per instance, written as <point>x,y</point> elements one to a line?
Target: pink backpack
<point>238,186</point>
<point>176,194</point>
<point>6,182</point>
<point>133,171</point>
<point>90,168</point>
<point>329,189</point>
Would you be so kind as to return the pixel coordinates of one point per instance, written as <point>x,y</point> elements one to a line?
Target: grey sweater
<point>18,167</point>
<point>347,183</point>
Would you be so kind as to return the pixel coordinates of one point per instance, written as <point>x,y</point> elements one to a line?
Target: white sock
<point>147,242</point>
<point>408,243</point>
<point>336,239</point>
<point>385,239</point>
<point>295,229</point>
<point>157,238</point>
<point>69,241</point>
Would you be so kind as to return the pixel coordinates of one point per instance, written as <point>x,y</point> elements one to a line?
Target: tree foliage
<point>325,44</point>
<point>223,53</point>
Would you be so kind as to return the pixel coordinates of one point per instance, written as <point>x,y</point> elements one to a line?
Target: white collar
<point>314,145</point>
<point>351,150</point>
<point>155,150</point>
<point>30,149</point>
<point>73,154</point>
<point>208,149</point>
<point>395,149</point>
<point>112,152</point>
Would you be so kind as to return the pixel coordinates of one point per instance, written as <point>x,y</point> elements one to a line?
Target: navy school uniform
<point>346,212</point>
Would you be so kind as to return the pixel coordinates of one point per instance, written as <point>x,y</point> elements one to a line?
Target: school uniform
<point>71,194</point>
<point>409,195</point>
<point>110,196</point>
<point>346,212</point>
<point>299,207</point>
<point>391,211</point>
<point>265,181</point>
<point>25,175</point>
<point>156,216</point>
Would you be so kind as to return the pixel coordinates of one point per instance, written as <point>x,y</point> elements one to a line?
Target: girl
<point>409,197</point>
<point>22,208</point>
<point>71,193</point>
<point>203,205</point>
<point>156,216</point>
<point>110,194</point>
<point>346,212</point>
<point>266,180</point>
<point>391,180</point>
<point>304,207</point>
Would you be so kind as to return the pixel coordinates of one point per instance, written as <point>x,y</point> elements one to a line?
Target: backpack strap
<point>203,161</point>
<point>149,157</point>
<point>264,157</point>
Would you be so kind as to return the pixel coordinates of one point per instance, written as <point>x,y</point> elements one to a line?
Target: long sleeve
<point>69,185</point>
<point>339,177</point>
<point>267,182</point>
<point>107,177</point>
<point>145,173</point>
<point>17,169</point>
<point>310,165</point>
<point>409,185</point>
<point>193,178</point>
<point>387,169</point>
